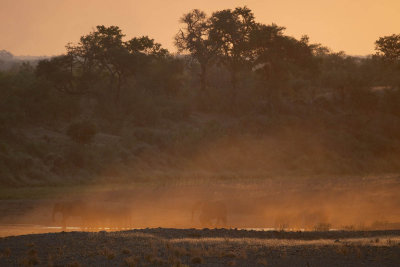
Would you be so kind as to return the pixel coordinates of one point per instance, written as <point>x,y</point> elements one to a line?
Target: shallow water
<point>25,229</point>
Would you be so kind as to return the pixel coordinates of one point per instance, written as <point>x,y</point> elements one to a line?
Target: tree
<point>388,47</point>
<point>101,54</point>
<point>231,33</point>
<point>157,66</point>
<point>103,51</point>
<point>269,46</point>
<point>5,55</point>
<point>145,46</point>
<point>195,38</point>
<point>64,74</point>
<point>278,57</point>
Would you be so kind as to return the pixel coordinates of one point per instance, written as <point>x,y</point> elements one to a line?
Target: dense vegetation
<point>241,99</point>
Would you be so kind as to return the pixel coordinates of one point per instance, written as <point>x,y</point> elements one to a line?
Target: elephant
<point>70,209</point>
<point>113,215</point>
<point>210,213</point>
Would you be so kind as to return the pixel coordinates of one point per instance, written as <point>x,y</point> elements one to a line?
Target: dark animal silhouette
<point>70,209</point>
<point>93,215</point>
<point>210,213</point>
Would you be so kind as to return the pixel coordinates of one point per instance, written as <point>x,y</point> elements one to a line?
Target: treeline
<point>228,65</point>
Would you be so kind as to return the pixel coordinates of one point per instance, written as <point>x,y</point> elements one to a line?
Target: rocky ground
<point>207,247</point>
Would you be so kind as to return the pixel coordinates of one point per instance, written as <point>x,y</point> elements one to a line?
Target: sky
<point>44,27</point>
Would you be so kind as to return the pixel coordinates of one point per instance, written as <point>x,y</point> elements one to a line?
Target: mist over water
<point>287,204</point>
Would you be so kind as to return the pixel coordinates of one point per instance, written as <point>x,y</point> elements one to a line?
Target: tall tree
<point>231,33</point>
<point>103,51</point>
<point>98,55</point>
<point>195,38</point>
<point>65,74</point>
<point>388,47</point>
<point>278,57</point>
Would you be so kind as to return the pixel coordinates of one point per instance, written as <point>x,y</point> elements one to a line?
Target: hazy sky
<point>44,27</point>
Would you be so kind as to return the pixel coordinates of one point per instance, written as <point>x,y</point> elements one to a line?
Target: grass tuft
<point>262,262</point>
<point>232,263</point>
<point>132,261</point>
<point>74,264</point>
<point>197,260</point>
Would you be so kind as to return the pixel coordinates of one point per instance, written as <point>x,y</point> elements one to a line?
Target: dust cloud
<point>284,181</point>
<point>368,203</point>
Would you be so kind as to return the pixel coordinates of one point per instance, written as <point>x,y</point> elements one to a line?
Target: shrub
<point>197,260</point>
<point>131,261</point>
<point>82,132</point>
<point>74,264</point>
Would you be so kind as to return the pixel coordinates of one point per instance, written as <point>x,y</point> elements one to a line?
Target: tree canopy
<point>100,55</point>
<point>231,33</point>
<point>389,47</point>
<point>195,38</point>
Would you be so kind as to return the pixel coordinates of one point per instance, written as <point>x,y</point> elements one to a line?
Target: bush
<point>82,132</point>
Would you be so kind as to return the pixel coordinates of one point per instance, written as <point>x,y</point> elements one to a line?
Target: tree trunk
<point>234,88</point>
<point>203,74</point>
<point>118,90</point>
<point>203,87</point>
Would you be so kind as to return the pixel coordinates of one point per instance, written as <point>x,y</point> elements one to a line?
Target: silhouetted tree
<point>231,33</point>
<point>388,52</point>
<point>388,47</point>
<point>61,72</point>
<point>267,42</point>
<point>195,38</point>
<point>101,53</point>
<point>278,57</point>
<point>145,46</point>
<point>6,55</point>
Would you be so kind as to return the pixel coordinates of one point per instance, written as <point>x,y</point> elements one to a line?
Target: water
<point>25,229</point>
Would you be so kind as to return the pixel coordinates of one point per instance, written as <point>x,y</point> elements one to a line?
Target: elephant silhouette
<point>68,209</point>
<point>210,213</point>
<point>93,215</point>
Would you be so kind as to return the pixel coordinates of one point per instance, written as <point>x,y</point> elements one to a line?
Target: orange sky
<point>43,27</point>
